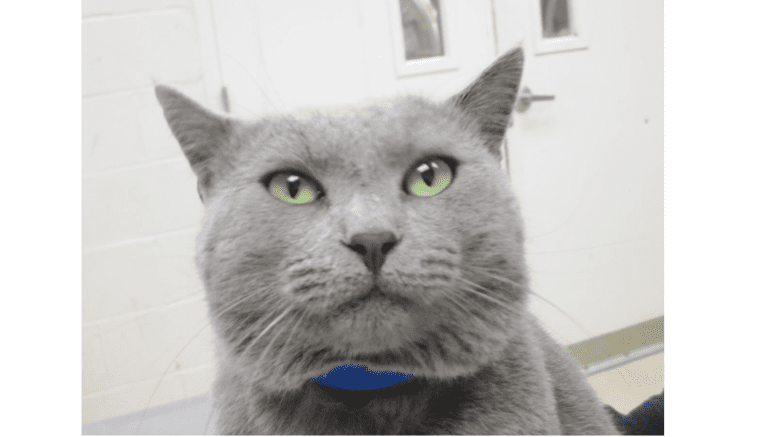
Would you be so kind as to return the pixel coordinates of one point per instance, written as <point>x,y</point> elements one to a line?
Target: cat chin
<point>375,326</point>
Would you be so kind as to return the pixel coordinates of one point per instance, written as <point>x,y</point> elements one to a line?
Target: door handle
<point>525,97</point>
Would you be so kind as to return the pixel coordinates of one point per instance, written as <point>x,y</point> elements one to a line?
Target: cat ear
<point>199,131</point>
<point>491,98</point>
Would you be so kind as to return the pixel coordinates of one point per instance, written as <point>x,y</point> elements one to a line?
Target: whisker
<point>249,330</point>
<point>258,86</point>
<point>277,335</point>
<point>451,298</point>
<point>549,328</point>
<point>508,281</point>
<point>579,325</point>
<point>235,303</point>
<point>210,415</point>
<point>571,214</point>
<point>246,108</point>
<point>240,300</point>
<point>483,295</point>
<point>142,418</point>
<point>201,329</point>
<point>266,329</point>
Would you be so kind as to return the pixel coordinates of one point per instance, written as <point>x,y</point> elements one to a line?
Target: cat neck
<point>418,406</point>
<point>512,395</point>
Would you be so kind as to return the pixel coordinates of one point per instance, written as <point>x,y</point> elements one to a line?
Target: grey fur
<point>289,301</point>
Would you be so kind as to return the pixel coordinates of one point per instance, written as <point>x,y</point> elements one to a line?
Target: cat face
<point>385,236</point>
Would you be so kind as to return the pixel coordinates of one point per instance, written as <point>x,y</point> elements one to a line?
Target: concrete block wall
<point>146,340</point>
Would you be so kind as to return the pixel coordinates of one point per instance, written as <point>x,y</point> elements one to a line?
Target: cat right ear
<point>491,98</point>
<point>199,131</point>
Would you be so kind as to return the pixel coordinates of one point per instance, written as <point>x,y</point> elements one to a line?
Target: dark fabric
<point>646,419</point>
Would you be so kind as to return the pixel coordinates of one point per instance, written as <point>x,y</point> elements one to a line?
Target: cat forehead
<point>390,133</point>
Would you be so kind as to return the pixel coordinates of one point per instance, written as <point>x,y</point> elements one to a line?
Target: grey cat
<point>384,236</point>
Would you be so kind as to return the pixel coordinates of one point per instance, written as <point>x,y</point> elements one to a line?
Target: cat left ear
<point>491,98</point>
<point>200,132</point>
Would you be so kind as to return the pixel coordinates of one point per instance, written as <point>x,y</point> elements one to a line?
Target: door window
<point>556,20</point>
<point>423,36</point>
<point>559,26</point>
<point>422,29</point>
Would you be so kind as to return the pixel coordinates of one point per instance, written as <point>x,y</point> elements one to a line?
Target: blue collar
<point>359,377</point>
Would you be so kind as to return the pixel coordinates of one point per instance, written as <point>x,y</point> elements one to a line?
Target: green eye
<point>293,188</point>
<point>429,178</point>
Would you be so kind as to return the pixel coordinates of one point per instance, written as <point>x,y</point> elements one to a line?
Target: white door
<point>586,166</point>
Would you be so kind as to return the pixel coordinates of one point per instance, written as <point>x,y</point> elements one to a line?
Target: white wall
<point>142,300</point>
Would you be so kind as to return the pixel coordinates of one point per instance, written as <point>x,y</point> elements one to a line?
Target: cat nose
<point>373,247</point>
